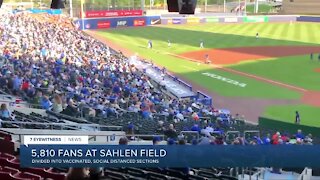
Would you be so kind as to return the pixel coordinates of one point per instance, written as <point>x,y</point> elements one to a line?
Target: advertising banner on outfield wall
<point>103,24</point>
<point>231,20</point>
<point>112,13</point>
<point>202,20</point>
<point>122,23</point>
<point>282,18</point>
<point>139,22</point>
<point>212,19</point>
<point>155,21</point>
<point>193,20</point>
<point>308,19</point>
<point>253,19</point>
<point>49,11</point>
<point>176,21</point>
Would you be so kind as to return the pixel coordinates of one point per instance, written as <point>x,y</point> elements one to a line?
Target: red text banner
<point>139,22</point>
<point>113,13</point>
<point>103,24</point>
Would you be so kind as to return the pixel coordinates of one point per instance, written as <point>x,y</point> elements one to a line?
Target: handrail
<point>251,131</point>
<point>304,172</point>
<point>190,132</point>
<point>259,173</point>
<point>79,126</point>
<point>137,137</point>
<point>237,133</point>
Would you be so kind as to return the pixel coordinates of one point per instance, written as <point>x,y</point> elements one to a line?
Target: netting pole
<point>142,5</point>
<point>205,5</point>
<point>82,13</point>
<point>71,10</point>
<point>164,4</point>
<point>245,7</point>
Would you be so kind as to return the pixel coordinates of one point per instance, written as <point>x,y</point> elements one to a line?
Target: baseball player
<point>150,44</point>
<point>207,60</point>
<point>201,44</point>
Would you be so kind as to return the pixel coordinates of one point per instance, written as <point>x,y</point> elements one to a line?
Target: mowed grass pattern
<point>294,70</point>
<point>186,38</point>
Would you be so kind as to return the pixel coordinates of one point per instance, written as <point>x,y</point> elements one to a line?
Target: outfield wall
<point>308,18</point>
<point>117,22</point>
<point>134,21</point>
<point>274,124</point>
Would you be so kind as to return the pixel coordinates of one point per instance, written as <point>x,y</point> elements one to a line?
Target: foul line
<point>190,68</point>
<point>246,74</point>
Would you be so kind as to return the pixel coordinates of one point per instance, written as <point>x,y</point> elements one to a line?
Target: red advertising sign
<point>113,13</point>
<point>103,24</point>
<point>139,22</point>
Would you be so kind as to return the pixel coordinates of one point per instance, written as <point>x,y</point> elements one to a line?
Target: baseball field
<point>275,72</point>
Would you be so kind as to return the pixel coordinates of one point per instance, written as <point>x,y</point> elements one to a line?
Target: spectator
<point>45,103</point>
<point>71,109</point>
<point>171,132</point>
<point>182,142</point>
<point>4,112</point>
<point>171,142</point>
<point>123,141</point>
<point>78,174</point>
<point>299,134</point>
<point>96,173</point>
<point>196,128</point>
<point>57,106</point>
<point>195,116</point>
<point>267,140</point>
<point>275,138</point>
<point>156,140</point>
<point>209,128</point>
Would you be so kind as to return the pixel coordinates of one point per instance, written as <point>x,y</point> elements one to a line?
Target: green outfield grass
<point>298,71</point>
<point>286,113</point>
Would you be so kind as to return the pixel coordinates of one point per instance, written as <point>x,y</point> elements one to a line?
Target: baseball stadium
<point>159,72</point>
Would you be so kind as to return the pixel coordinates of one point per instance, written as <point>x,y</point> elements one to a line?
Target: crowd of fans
<point>216,136</point>
<point>60,68</point>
